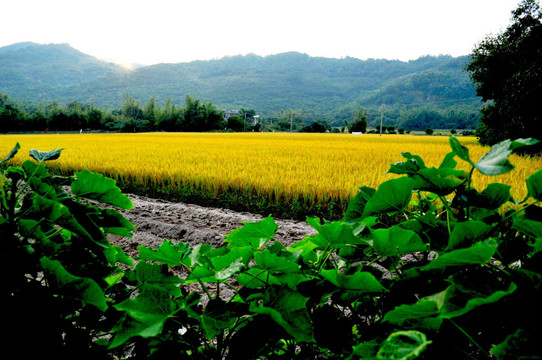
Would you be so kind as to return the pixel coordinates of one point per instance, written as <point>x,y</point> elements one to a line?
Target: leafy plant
<point>425,266</point>
<point>59,268</point>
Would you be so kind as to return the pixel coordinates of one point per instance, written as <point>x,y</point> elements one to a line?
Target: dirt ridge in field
<point>157,220</point>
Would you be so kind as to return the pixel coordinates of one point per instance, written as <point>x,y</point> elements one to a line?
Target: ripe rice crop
<point>306,170</point>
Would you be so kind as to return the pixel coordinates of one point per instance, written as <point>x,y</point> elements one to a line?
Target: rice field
<point>309,168</point>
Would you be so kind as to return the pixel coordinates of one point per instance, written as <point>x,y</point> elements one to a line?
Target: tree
<point>359,124</point>
<point>507,72</point>
<point>236,123</point>
<point>201,117</point>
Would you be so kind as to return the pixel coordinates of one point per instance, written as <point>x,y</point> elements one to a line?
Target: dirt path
<point>157,220</point>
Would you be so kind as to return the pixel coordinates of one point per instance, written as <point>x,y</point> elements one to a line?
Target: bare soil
<point>157,220</point>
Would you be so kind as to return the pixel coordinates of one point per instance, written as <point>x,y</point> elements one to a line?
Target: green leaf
<point>534,185</point>
<point>359,281</point>
<point>403,345</point>
<point>11,153</point>
<point>335,234</point>
<point>479,253</point>
<point>42,156</point>
<point>157,275</point>
<point>114,222</point>
<point>147,313</point>
<point>530,228</point>
<point>494,196</point>
<point>391,196</point>
<point>274,263</point>
<point>456,295</point>
<point>495,161</point>
<point>441,181</point>
<point>422,314</point>
<point>167,253</point>
<point>411,166</point>
<point>449,161</point>
<point>466,233</point>
<point>97,187</point>
<point>358,202</point>
<point>397,241</point>
<point>287,308</point>
<point>218,316</point>
<point>254,234</point>
<point>70,286</point>
<point>461,151</point>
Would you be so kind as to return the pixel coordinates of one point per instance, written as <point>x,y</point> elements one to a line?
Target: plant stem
<point>470,339</point>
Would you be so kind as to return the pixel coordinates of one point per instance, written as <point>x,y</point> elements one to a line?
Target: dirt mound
<point>157,220</point>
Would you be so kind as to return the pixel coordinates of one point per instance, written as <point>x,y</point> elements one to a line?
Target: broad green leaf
<point>411,166</point>
<point>287,308</point>
<point>422,314</point>
<point>397,241</point>
<point>530,228</point>
<point>467,233</point>
<point>479,253</point>
<point>255,277</point>
<point>230,256</point>
<point>42,156</point>
<point>274,263</point>
<point>167,253</point>
<point>228,271</point>
<point>334,234</point>
<point>534,185</point>
<point>254,234</point>
<point>365,350</point>
<point>449,161</point>
<point>455,295</point>
<point>495,161</point>
<point>415,158</point>
<point>461,151</point>
<point>494,196</point>
<point>391,196</point>
<point>441,181</point>
<point>129,328</point>
<point>97,187</point>
<point>149,311</point>
<point>11,154</point>
<point>403,345</point>
<point>70,286</point>
<point>157,275</point>
<point>358,202</point>
<point>114,222</point>
<point>359,281</point>
<point>218,316</point>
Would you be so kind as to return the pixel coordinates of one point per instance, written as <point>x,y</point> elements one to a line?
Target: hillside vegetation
<point>434,89</point>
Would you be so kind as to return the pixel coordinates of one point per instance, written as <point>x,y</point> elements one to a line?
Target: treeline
<point>195,115</point>
<point>131,117</point>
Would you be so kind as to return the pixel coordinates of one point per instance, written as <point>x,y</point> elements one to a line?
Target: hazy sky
<point>158,31</point>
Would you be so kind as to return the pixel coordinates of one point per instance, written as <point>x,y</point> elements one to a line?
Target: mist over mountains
<point>319,88</point>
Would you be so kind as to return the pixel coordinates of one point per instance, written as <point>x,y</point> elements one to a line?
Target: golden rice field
<point>316,168</point>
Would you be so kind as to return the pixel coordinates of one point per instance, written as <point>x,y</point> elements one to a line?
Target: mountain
<point>318,87</point>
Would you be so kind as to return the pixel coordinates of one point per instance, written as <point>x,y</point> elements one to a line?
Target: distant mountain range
<point>317,87</point>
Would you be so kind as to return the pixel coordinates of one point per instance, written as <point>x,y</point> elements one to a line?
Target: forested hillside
<point>427,92</point>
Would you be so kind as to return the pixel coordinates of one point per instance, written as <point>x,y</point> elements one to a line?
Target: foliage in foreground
<point>422,267</point>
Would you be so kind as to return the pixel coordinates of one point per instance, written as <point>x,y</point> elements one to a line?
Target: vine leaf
<point>42,156</point>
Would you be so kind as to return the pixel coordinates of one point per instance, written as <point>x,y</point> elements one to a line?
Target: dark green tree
<point>236,123</point>
<point>507,72</point>
<point>359,124</point>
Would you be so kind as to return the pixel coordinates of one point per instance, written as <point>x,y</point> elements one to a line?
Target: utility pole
<point>291,121</point>
<point>381,117</point>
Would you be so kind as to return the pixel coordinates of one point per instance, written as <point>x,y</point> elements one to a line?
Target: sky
<point>174,31</point>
